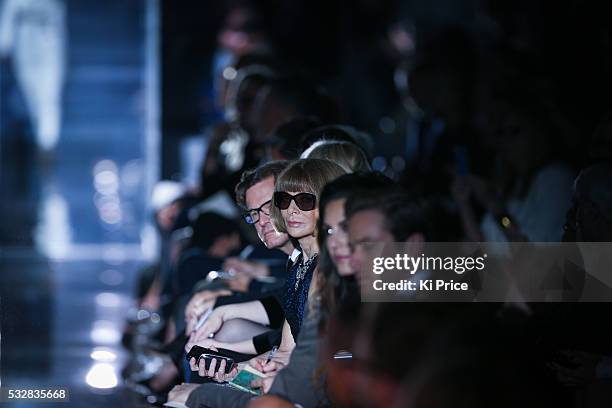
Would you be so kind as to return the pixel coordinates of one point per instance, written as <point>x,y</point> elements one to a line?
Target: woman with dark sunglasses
<point>295,211</point>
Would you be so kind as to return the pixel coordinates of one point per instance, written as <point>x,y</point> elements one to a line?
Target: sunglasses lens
<point>282,200</point>
<point>305,201</point>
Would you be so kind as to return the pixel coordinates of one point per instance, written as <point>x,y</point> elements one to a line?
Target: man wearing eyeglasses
<point>254,197</point>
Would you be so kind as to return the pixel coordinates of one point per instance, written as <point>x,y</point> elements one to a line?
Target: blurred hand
<point>271,368</point>
<point>240,266</point>
<point>210,327</point>
<point>202,301</point>
<point>263,383</point>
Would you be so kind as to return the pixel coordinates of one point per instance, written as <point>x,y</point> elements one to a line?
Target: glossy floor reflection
<point>67,268</point>
<point>62,325</point>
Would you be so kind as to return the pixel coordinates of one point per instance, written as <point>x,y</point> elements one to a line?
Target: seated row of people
<point>290,305</point>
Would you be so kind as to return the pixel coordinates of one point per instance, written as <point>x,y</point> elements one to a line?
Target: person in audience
<point>592,204</point>
<point>254,196</point>
<point>599,148</point>
<point>231,148</point>
<point>167,200</point>
<point>286,97</point>
<point>386,216</point>
<point>348,155</point>
<point>589,359</point>
<point>284,142</point>
<point>528,197</point>
<point>338,133</point>
<point>448,355</point>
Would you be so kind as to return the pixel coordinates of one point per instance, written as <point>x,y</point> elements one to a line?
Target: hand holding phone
<point>207,362</point>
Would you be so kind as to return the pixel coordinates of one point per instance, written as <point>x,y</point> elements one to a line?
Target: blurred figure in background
<point>33,34</point>
<point>284,141</point>
<point>529,191</point>
<point>348,155</point>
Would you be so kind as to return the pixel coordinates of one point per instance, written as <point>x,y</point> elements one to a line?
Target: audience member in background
<point>587,363</point>
<point>170,200</point>
<point>147,327</point>
<point>600,146</point>
<point>592,204</point>
<point>167,201</point>
<point>231,148</point>
<point>285,98</point>
<point>385,352</point>
<point>386,216</point>
<point>445,141</point>
<point>243,33</point>
<point>447,356</point>
<point>284,142</point>
<point>530,193</point>
<point>244,80</point>
<point>338,133</point>
<point>347,155</point>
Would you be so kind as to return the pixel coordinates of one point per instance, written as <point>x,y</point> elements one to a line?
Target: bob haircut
<point>304,176</point>
<point>347,155</point>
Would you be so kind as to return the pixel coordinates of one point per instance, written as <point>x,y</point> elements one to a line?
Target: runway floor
<point>67,278</point>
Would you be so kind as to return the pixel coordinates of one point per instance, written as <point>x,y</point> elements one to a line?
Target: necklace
<point>302,269</point>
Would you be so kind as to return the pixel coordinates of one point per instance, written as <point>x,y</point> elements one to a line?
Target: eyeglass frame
<point>293,198</point>
<point>246,215</point>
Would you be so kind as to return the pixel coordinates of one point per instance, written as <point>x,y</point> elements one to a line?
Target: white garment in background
<point>33,33</point>
<point>540,215</point>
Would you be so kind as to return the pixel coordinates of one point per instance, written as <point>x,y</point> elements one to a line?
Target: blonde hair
<point>304,176</point>
<point>347,155</point>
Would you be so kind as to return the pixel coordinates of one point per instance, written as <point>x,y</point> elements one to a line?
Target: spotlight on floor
<point>101,376</point>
